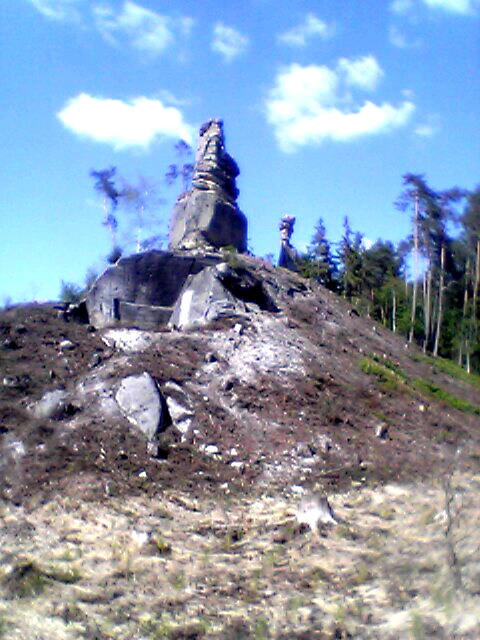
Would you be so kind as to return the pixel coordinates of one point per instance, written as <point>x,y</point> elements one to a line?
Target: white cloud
<point>364,72</point>
<point>310,27</point>
<point>57,9</point>
<point>121,124</point>
<point>308,105</point>
<point>429,128</point>
<point>145,29</point>
<point>398,39</point>
<point>228,41</point>
<point>455,6</point>
<point>401,6</point>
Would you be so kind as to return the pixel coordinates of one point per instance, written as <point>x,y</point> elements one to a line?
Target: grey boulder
<point>203,299</point>
<point>51,405</point>
<point>142,404</point>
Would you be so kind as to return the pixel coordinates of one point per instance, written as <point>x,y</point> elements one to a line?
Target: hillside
<point>107,536</point>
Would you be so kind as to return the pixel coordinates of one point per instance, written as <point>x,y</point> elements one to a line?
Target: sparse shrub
<point>385,375</point>
<point>26,580</point>
<point>163,547</point>
<point>70,292</point>
<point>230,255</point>
<point>260,631</point>
<point>114,255</point>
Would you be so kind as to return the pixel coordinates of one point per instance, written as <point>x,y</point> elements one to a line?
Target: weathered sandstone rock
<point>141,290</point>
<point>142,404</point>
<point>207,215</point>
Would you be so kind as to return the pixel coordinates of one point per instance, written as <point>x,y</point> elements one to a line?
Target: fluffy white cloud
<point>57,9</point>
<point>136,123</point>
<point>145,29</point>
<point>456,6</point>
<point>310,104</point>
<point>364,72</point>
<point>310,27</point>
<point>228,42</point>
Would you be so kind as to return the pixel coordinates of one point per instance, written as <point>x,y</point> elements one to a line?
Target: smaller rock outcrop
<point>141,290</point>
<point>207,215</point>
<point>288,254</point>
<point>203,299</point>
<point>142,404</point>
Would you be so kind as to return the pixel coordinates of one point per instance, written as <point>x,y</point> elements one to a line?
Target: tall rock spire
<point>207,215</point>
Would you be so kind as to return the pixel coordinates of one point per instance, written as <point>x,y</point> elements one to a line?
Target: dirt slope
<point>310,396</point>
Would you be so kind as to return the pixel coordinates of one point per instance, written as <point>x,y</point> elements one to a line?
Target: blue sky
<point>326,105</point>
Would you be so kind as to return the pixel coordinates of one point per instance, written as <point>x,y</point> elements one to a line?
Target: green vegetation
<point>26,580</point>
<point>391,376</point>
<point>450,368</point>
<point>70,292</point>
<point>426,388</point>
<point>439,309</point>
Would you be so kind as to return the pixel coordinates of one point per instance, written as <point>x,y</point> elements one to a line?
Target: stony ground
<point>100,539</point>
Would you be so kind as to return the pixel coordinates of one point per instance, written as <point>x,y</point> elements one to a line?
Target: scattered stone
<point>95,360</point>
<point>20,329</point>
<point>207,215</point>
<point>66,345</point>
<point>13,447</point>
<point>314,510</point>
<point>16,382</point>
<point>381,431</point>
<point>142,404</point>
<point>9,344</point>
<point>51,405</point>
<point>210,357</point>
<point>210,449</point>
<point>179,407</point>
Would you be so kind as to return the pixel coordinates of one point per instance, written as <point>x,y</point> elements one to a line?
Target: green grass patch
<point>429,389</point>
<point>450,368</point>
<point>393,378</point>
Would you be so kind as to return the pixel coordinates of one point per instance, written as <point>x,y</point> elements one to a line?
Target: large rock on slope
<point>208,215</point>
<point>142,404</point>
<point>141,290</point>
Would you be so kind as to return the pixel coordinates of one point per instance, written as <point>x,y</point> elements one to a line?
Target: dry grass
<point>231,567</point>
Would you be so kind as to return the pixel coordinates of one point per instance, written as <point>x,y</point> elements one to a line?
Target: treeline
<point>437,307</point>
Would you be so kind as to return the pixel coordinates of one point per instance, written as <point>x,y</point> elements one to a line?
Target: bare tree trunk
<point>440,300</point>
<point>475,287</point>
<point>477,278</point>
<point>425,318</point>
<point>394,312</point>
<point>464,339</point>
<point>428,308</point>
<point>415,271</point>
